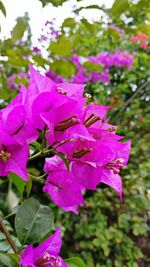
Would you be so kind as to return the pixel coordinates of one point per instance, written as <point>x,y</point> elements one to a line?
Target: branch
<point>130,100</point>
<point>7,234</point>
<point>51,150</point>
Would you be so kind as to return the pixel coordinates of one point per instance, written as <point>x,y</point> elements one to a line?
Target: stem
<point>36,156</point>
<point>46,152</point>
<point>7,234</point>
<point>43,145</point>
<point>130,100</point>
<point>38,179</point>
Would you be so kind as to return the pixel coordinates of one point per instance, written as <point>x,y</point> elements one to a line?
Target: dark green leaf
<point>33,221</point>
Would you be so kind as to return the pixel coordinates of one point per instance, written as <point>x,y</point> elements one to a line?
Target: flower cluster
<point>46,254</point>
<point>121,59</point>
<point>141,39</point>
<point>85,147</point>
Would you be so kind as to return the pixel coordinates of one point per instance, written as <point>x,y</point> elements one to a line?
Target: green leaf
<point>144,28</point>
<point>62,156</point>
<point>62,47</point>
<point>88,7</point>
<point>53,2</point>
<point>93,67</point>
<point>29,186</point>
<point>63,68</point>
<point>19,29</point>
<point>33,221</point>
<point>69,22</point>
<point>91,27</point>
<point>19,183</point>
<point>119,7</point>
<point>75,262</point>
<point>9,260</point>
<point>2,8</point>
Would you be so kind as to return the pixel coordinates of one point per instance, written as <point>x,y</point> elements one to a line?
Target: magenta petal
<point>74,91</point>
<point>27,134</point>
<point>13,118</point>
<point>74,209</point>
<point>111,179</point>
<point>77,131</point>
<point>42,83</point>
<point>41,104</point>
<point>3,172</point>
<point>97,110</point>
<point>52,245</point>
<point>53,164</point>
<point>18,160</point>
<point>63,190</point>
<point>27,257</point>
<point>85,174</point>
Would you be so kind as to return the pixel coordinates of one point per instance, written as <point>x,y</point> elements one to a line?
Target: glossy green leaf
<point>75,262</point>
<point>33,221</point>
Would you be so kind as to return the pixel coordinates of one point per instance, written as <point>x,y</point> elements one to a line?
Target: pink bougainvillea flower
<point>81,77</point>
<point>95,120</point>
<point>119,59</point>
<point>16,122</point>
<point>94,115</point>
<point>46,254</point>
<point>91,162</point>
<point>103,77</point>
<point>13,156</point>
<point>44,95</point>
<point>64,122</point>
<point>109,173</point>
<point>61,185</point>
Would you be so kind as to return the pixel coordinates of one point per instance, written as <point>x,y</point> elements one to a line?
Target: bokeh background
<point>106,45</point>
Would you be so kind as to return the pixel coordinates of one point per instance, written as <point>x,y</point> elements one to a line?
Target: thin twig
<point>51,150</point>
<point>130,100</point>
<point>7,234</point>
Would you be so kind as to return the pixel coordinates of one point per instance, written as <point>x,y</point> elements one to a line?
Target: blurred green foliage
<point>106,233</point>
